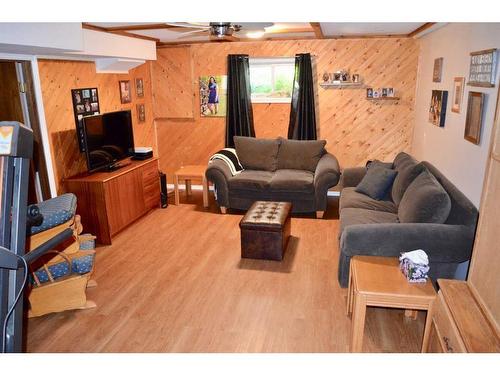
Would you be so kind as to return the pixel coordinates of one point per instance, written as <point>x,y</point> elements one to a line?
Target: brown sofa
<point>300,172</point>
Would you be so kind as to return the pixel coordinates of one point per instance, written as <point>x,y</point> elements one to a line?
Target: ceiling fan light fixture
<point>221,29</point>
<point>256,34</point>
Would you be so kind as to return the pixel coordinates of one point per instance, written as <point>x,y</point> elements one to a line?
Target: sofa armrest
<point>218,173</point>
<point>351,177</point>
<point>442,242</point>
<point>327,175</point>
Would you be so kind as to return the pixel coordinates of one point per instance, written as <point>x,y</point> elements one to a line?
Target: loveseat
<point>409,217</point>
<point>300,172</point>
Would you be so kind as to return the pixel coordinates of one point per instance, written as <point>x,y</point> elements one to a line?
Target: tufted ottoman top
<point>266,215</point>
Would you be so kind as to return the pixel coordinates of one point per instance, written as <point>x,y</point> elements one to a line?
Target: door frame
<point>39,110</point>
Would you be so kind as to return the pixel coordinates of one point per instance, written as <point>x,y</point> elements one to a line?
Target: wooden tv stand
<point>110,201</point>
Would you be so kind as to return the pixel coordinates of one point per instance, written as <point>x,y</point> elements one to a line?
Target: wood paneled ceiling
<point>166,34</point>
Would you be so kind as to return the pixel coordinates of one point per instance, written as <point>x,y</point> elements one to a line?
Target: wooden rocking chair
<point>61,288</point>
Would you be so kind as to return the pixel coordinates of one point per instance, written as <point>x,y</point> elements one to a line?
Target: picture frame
<point>139,87</point>
<point>125,93</point>
<point>213,95</point>
<point>438,70</point>
<point>482,70</point>
<point>458,93</point>
<point>437,108</point>
<point>141,112</point>
<point>369,92</point>
<point>85,103</point>
<point>474,118</point>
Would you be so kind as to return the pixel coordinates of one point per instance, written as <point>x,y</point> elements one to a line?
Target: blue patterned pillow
<point>56,211</point>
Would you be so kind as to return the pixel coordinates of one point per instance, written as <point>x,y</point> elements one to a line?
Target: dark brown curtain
<point>239,119</point>
<point>302,113</point>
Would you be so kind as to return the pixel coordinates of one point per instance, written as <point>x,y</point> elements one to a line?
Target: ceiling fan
<point>220,30</point>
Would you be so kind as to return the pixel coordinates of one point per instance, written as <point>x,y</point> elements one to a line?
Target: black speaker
<point>163,190</point>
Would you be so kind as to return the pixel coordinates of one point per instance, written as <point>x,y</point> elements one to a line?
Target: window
<point>271,79</point>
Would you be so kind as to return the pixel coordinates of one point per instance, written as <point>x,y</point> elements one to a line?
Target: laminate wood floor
<point>175,282</point>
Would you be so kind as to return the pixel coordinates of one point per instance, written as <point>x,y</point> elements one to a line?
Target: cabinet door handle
<point>449,348</point>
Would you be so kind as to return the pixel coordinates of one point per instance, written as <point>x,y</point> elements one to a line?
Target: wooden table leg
<point>176,189</point>
<point>205,191</point>
<point>358,322</point>
<point>427,327</point>
<point>411,314</point>
<point>350,292</point>
<point>188,187</point>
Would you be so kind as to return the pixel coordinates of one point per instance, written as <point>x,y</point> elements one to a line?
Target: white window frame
<point>271,61</point>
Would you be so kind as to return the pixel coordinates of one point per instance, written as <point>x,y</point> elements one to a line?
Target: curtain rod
<point>277,57</point>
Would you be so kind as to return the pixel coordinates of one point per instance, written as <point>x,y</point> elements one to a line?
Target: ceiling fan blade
<point>192,33</point>
<point>251,26</point>
<point>185,25</point>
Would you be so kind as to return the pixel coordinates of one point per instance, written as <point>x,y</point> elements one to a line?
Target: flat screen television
<point>108,138</point>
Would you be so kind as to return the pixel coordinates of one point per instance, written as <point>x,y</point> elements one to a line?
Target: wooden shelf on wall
<point>384,98</point>
<point>341,85</point>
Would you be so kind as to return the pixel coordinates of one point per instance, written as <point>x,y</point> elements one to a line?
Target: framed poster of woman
<point>213,96</point>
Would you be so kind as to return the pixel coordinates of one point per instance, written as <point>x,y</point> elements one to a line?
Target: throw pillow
<point>378,163</point>
<point>257,154</point>
<point>376,182</point>
<point>408,170</point>
<point>425,201</point>
<point>301,155</point>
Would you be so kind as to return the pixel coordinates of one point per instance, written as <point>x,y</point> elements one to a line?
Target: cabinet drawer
<point>152,202</point>
<point>151,185</point>
<point>448,333</point>
<point>150,171</point>
<point>435,344</point>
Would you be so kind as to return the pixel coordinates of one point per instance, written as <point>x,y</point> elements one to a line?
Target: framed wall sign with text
<point>483,68</point>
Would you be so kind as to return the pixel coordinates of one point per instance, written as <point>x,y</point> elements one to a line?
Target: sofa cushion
<point>349,198</point>
<point>300,155</point>
<point>257,154</point>
<point>402,158</point>
<point>251,180</point>
<point>377,182</point>
<point>378,163</point>
<point>353,216</point>
<point>293,181</point>
<point>425,201</point>
<point>408,169</point>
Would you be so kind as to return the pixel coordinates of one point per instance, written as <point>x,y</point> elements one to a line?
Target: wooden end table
<point>378,281</point>
<point>188,173</point>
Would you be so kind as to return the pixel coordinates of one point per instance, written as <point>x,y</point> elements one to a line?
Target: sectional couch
<point>300,172</point>
<point>415,214</point>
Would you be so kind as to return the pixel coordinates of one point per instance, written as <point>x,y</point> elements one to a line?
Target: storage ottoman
<point>265,230</point>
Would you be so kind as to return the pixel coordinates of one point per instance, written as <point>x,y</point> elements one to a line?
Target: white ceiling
<point>353,29</point>
<point>278,30</point>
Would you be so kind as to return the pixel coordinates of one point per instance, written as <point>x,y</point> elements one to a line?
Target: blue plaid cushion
<point>56,211</point>
<point>79,266</point>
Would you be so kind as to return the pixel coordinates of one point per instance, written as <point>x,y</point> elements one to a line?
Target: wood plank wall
<point>10,103</point>
<point>172,73</point>
<point>57,80</point>
<point>355,128</point>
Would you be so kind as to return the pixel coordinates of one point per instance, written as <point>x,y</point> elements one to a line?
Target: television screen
<point>108,138</point>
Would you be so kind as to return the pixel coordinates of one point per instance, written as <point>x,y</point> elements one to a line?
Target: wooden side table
<point>377,281</point>
<point>188,173</point>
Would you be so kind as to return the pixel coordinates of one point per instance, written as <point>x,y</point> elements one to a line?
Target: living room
<point>273,187</point>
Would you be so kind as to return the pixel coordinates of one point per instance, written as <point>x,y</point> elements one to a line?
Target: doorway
<point>18,103</point>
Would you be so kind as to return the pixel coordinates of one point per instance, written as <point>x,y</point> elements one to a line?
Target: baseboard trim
<point>211,188</point>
